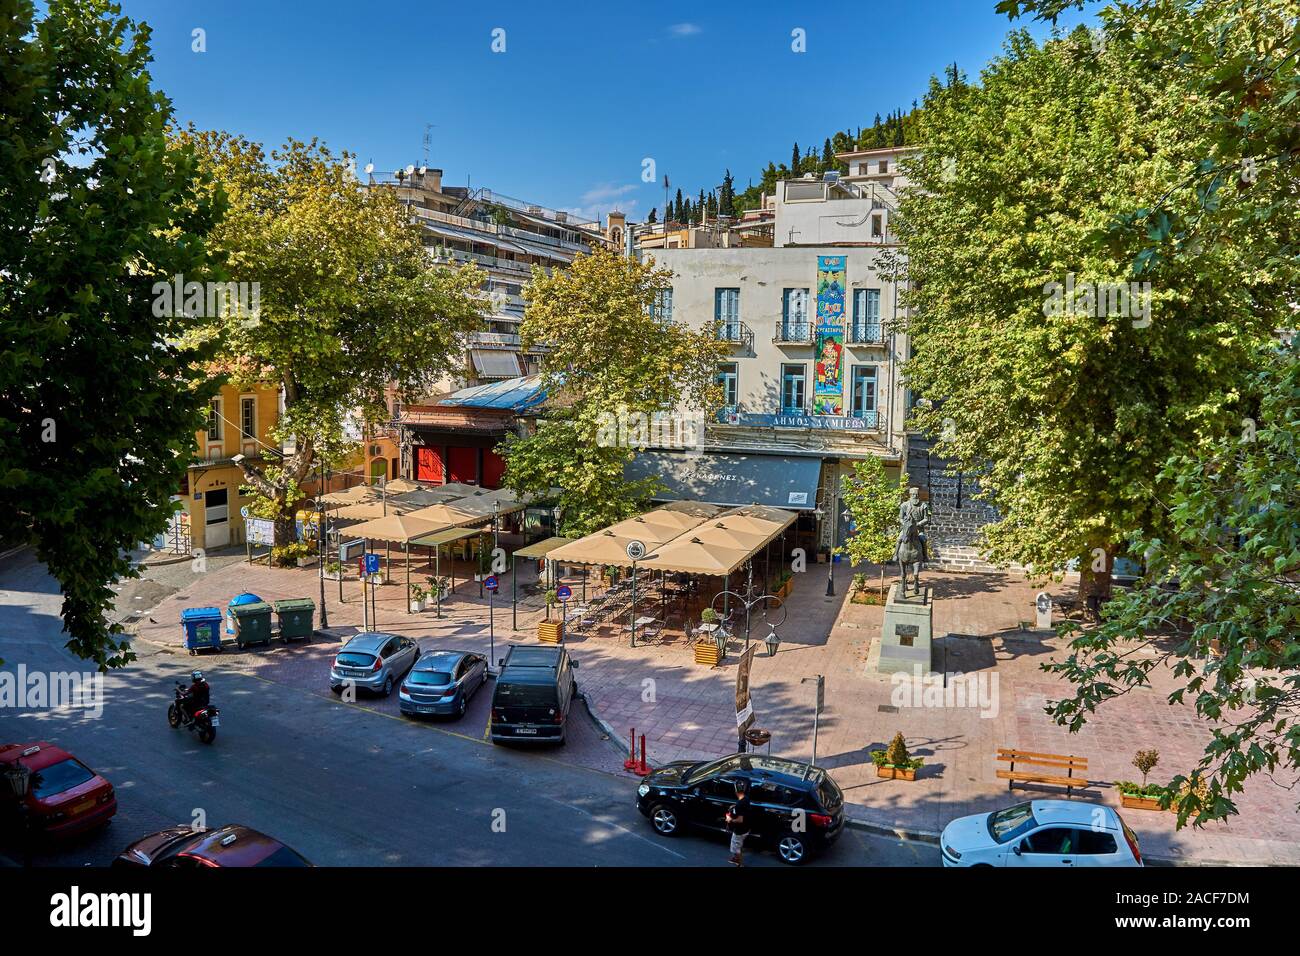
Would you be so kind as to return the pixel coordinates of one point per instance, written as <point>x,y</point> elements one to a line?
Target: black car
<point>534,690</point>
<point>796,807</point>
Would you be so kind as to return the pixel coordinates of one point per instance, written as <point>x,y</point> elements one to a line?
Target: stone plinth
<point>905,636</point>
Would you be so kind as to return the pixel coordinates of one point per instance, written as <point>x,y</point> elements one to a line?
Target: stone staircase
<point>956,518</point>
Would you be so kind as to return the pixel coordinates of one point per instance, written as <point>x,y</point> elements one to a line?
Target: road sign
<point>564,592</point>
<point>490,582</point>
<point>371,564</point>
<point>636,550</point>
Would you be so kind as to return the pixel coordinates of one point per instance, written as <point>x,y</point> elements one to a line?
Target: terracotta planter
<point>1138,803</point>
<point>890,772</point>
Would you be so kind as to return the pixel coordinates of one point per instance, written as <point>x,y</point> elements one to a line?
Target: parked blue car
<point>442,682</point>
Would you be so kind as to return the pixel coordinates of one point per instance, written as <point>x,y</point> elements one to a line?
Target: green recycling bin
<point>252,623</point>
<point>295,616</point>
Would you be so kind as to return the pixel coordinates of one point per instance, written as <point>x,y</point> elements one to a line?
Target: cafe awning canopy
<point>543,548</point>
<point>722,544</point>
<point>395,528</point>
<point>423,497</point>
<point>651,529</point>
<point>445,536</point>
<point>449,516</point>
<point>376,508</point>
<point>350,496</point>
<point>398,486</point>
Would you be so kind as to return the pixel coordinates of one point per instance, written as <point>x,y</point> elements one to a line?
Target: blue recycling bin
<point>238,599</point>
<point>202,627</point>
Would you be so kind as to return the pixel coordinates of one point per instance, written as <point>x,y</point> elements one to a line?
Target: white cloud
<point>597,201</point>
<point>685,29</point>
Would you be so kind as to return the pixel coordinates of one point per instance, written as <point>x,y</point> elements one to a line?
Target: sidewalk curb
<point>603,726</point>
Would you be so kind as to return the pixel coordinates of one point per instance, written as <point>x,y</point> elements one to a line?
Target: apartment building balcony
<point>794,332</point>
<point>865,333</point>
<point>495,339</point>
<point>736,332</point>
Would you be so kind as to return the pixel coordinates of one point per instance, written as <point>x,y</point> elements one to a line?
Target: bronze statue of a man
<point>911,549</point>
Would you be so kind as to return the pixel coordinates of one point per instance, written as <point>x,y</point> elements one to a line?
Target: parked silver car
<point>373,661</point>
<point>442,682</point>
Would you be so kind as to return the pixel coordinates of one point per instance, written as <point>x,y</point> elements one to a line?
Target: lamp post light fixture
<point>748,601</point>
<point>19,779</point>
<point>772,642</point>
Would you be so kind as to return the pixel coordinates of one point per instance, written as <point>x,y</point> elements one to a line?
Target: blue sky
<point>582,93</point>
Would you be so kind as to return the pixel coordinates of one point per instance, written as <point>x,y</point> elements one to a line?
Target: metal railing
<point>735,332</point>
<point>794,331</point>
<point>866,333</point>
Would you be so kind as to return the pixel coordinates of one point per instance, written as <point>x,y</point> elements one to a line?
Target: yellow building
<point>239,423</point>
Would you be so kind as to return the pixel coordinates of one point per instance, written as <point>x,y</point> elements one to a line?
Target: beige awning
<point>350,496</point>
<point>445,536</point>
<point>399,486</point>
<point>367,510</point>
<point>448,516</point>
<point>541,549</point>
<point>723,543</point>
<point>395,528</point>
<point>424,497</point>
<point>652,529</point>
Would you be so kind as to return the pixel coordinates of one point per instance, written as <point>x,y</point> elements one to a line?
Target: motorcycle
<point>205,721</point>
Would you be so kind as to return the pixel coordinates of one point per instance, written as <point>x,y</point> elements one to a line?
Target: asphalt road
<point>344,785</point>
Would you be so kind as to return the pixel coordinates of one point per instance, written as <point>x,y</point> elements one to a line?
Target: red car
<point>64,796</point>
<point>185,847</point>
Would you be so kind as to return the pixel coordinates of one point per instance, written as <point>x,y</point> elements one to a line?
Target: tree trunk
<point>1095,582</point>
<point>286,529</point>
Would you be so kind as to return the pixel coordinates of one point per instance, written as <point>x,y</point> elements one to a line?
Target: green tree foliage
<point>1073,413</point>
<point>98,402</point>
<point>1219,603</point>
<point>608,358</point>
<point>349,303</point>
<point>871,498</point>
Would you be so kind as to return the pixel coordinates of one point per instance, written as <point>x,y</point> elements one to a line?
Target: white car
<point>1041,833</point>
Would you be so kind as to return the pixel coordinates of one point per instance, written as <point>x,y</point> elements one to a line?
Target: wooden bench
<point>1070,763</point>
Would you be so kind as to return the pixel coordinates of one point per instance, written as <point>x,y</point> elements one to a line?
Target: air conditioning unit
<point>376,451</point>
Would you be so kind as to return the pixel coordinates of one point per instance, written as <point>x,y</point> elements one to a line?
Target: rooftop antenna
<point>428,141</point>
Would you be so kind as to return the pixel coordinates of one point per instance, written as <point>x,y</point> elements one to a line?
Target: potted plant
<point>552,599</point>
<point>894,762</point>
<point>334,570</point>
<point>1143,796</point>
<point>419,594</point>
<point>710,648</point>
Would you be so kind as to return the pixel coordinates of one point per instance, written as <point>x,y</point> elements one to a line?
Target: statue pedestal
<point>905,636</point>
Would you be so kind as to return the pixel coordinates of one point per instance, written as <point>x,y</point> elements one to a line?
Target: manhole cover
<point>887,708</point>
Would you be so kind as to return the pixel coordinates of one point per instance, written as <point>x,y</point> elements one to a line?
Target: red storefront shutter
<point>464,465</point>
<point>428,465</point>
<point>494,466</point>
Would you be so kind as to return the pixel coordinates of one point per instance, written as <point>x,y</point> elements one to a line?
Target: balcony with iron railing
<point>736,332</point>
<point>865,333</point>
<point>793,332</point>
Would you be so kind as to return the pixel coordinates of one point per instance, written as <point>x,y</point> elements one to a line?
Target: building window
<point>663,307</point>
<point>884,165</point>
<point>866,316</point>
<point>877,227</point>
<point>794,315</point>
<point>726,310</point>
<point>862,169</point>
<point>864,391</point>
<point>794,380</point>
<point>729,379</point>
<point>214,420</point>
<point>248,417</point>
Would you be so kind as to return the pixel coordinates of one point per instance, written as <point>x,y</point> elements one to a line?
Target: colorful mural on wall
<point>828,389</point>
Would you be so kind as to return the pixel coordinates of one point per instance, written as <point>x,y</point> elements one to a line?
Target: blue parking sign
<point>372,564</point>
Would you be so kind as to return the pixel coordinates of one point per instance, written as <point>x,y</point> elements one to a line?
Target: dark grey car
<point>373,661</point>
<point>442,682</point>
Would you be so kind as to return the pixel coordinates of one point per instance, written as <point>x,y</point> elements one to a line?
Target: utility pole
<point>320,534</point>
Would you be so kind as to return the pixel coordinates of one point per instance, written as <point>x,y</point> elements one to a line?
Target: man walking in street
<point>738,824</point>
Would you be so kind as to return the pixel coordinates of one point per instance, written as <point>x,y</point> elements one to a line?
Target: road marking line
<point>592,816</point>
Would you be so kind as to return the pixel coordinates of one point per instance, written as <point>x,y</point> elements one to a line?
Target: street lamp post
<point>320,543</point>
<point>831,513</point>
<point>19,780</point>
<point>748,600</point>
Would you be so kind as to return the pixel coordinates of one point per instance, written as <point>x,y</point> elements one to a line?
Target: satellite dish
<point>423,170</point>
<point>410,169</point>
<point>370,168</point>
